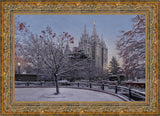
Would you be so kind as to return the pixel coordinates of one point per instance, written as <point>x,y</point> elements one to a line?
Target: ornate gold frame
<point>149,9</point>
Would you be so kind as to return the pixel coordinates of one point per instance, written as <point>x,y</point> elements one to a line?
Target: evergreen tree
<point>114,66</point>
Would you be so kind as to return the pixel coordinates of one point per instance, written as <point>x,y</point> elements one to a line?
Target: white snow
<point>66,94</point>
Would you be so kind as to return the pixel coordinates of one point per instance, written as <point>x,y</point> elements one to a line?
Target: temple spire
<point>94,29</point>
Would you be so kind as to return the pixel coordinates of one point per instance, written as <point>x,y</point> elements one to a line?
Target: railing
<point>127,92</point>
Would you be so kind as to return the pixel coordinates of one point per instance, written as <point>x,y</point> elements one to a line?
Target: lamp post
<point>19,66</point>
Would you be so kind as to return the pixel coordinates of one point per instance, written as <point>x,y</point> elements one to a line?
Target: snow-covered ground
<point>142,80</point>
<point>66,94</point>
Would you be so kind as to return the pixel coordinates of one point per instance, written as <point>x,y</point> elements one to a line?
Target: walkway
<point>66,94</point>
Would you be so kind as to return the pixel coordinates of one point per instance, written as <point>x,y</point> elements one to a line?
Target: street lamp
<point>19,65</point>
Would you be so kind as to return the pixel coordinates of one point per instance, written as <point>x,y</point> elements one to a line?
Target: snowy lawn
<point>66,94</point>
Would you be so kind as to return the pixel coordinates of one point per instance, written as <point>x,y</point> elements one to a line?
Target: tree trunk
<point>56,82</point>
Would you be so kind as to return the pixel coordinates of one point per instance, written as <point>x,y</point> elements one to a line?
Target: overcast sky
<point>107,25</point>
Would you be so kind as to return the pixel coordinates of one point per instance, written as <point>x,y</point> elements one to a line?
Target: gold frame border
<point>95,3</point>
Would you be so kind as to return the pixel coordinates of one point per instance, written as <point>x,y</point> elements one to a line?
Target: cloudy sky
<point>107,25</point>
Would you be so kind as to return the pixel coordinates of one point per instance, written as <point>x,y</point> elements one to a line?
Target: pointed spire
<point>94,29</point>
<point>85,31</point>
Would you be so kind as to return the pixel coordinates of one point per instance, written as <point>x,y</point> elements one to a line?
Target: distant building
<point>95,48</point>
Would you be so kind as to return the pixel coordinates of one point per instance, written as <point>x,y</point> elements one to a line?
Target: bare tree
<point>21,30</point>
<point>90,70</point>
<point>31,52</point>
<point>52,52</point>
<point>131,47</point>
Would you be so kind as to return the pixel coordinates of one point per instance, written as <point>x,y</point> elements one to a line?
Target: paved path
<point>66,94</point>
